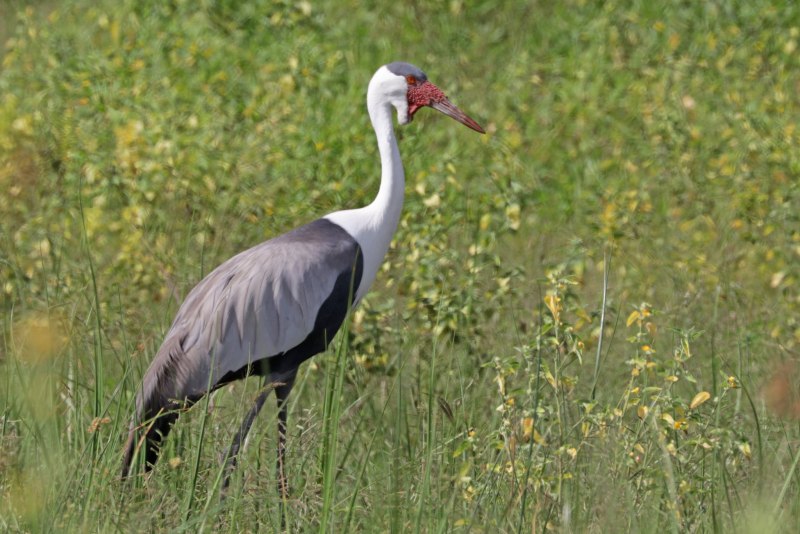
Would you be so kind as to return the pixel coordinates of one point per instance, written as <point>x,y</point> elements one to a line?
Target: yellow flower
<point>433,201</point>
<point>527,427</point>
<point>699,399</point>
<point>553,303</point>
<point>513,216</point>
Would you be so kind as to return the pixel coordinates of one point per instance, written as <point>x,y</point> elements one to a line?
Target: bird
<point>268,309</point>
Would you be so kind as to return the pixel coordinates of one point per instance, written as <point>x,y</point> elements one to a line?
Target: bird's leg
<point>282,393</point>
<point>238,440</point>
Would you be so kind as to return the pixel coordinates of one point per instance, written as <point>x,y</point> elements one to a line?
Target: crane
<point>268,309</point>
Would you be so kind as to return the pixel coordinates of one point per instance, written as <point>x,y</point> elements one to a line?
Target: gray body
<point>262,312</point>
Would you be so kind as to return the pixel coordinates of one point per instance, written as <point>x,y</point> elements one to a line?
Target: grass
<point>588,320</point>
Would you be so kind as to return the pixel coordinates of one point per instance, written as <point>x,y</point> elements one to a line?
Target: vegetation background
<point>588,321</point>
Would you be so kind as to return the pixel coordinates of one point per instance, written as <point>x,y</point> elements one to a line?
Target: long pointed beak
<point>449,109</point>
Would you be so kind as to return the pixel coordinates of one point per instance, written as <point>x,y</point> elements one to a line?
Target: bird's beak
<point>449,109</point>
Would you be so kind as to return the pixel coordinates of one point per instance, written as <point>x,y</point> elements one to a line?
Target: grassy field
<point>589,319</point>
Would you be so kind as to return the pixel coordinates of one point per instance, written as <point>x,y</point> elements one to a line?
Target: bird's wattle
<point>423,94</point>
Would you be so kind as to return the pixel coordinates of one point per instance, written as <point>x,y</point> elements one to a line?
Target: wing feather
<point>259,304</point>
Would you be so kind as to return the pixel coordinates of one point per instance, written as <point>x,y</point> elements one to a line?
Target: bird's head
<point>407,88</point>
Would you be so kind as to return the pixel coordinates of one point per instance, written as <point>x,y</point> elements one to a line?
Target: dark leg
<point>238,440</point>
<point>282,393</point>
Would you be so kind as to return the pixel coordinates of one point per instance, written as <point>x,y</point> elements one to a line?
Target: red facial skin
<point>427,94</point>
<point>423,94</point>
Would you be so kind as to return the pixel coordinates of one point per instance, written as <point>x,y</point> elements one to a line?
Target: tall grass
<point>587,320</point>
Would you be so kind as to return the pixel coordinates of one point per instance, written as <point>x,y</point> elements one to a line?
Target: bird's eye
<point>411,79</point>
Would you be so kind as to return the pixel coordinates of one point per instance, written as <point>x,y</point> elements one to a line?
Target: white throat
<point>374,225</point>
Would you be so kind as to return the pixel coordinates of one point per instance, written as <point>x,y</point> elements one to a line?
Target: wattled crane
<point>270,308</point>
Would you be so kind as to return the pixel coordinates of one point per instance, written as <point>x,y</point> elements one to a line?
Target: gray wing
<point>259,304</point>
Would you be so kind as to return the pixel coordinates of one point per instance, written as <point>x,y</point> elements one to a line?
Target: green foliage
<point>142,143</point>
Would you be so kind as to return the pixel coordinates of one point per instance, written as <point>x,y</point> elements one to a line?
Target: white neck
<point>373,226</point>
<point>389,202</point>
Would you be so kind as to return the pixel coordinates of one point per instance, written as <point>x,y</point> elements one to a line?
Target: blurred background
<point>589,318</point>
